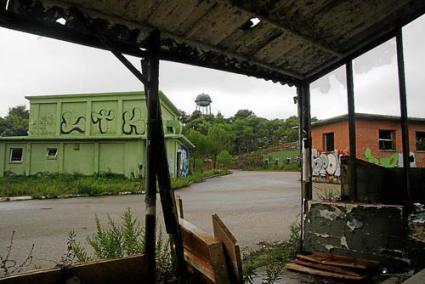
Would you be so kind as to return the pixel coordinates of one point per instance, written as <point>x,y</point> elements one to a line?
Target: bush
<point>120,240</point>
<point>224,158</point>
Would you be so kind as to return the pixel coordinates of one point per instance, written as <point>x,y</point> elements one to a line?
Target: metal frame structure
<point>152,53</point>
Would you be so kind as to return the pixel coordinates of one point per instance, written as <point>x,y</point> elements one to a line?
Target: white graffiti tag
<point>324,164</point>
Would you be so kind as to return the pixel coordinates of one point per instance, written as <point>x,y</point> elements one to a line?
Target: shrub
<point>115,240</point>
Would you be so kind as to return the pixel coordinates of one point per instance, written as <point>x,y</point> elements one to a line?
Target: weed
<point>271,256</point>
<point>116,240</point>
<point>10,266</point>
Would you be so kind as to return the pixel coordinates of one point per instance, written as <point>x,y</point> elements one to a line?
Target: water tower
<point>203,103</point>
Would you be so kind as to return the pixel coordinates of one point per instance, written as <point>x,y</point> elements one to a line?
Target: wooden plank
<point>231,249</point>
<point>338,261</point>
<point>179,204</point>
<point>368,263</point>
<point>317,272</point>
<point>207,249</point>
<point>200,264</point>
<point>325,267</point>
<point>124,270</point>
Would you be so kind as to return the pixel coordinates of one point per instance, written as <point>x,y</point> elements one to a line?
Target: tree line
<point>220,138</point>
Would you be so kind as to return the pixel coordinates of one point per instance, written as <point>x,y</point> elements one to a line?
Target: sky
<point>33,65</point>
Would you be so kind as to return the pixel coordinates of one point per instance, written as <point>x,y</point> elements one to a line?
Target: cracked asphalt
<point>255,205</point>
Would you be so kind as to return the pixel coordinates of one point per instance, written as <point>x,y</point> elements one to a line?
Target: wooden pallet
<point>333,266</point>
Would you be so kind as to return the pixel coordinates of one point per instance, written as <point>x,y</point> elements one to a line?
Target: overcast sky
<point>32,65</point>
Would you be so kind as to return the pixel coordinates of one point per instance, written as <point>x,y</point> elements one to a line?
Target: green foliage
<point>195,177</point>
<point>116,240</point>
<point>271,256</point>
<point>55,185</point>
<point>241,134</point>
<point>62,185</point>
<point>15,123</point>
<point>224,158</point>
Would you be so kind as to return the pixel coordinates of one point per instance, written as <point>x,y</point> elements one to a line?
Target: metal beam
<point>404,115</point>
<point>157,161</point>
<point>150,67</point>
<point>351,130</point>
<point>284,28</point>
<point>305,145</point>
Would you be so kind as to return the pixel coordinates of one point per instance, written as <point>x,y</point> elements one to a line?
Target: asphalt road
<point>256,206</point>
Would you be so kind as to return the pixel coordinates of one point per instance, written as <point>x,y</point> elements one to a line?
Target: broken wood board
<point>231,249</point>
<point>337,260</point>
<point>318,272</point>
<point>325,267</point>
<point>204,252</point>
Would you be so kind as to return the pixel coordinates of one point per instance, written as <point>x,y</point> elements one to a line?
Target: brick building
<point>378,141</point>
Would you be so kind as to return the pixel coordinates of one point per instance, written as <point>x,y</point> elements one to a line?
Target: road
<point>256,206</point>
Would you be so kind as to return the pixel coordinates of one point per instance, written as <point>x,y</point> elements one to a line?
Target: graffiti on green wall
<point>71,124</point>
<point>133,122</point>
<point>390,161</point>
<point>100,118</point>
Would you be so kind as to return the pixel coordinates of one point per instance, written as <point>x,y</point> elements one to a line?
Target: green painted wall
<point>93,133</point>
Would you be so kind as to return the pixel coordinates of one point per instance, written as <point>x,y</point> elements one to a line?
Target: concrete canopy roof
<point>286,41</point>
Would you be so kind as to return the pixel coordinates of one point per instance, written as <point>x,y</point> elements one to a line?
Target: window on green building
<point>170,129</point>
<point>52,153</point>
<point>16,155</point>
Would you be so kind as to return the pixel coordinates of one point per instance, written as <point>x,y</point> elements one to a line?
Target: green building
<point>92,133</point>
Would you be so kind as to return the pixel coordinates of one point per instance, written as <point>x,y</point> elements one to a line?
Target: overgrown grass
<point>271,256</point>
<point>121,239</point>
<point>177,183</point>
<point>57,185</point>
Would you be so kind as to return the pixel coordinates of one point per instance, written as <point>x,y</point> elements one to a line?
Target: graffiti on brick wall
<point>392,160</point>
<point>326,163</point>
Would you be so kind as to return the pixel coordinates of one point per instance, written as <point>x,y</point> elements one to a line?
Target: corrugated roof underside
<point>293,39</point>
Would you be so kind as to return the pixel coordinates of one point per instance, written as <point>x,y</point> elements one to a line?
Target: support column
<point>150,68</point>
<point>404,116</point>
<point>157,166</point>
<point>303,100</point>
<point>351,130</point>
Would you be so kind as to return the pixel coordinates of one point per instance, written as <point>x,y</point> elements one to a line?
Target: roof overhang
<point>294,41</point>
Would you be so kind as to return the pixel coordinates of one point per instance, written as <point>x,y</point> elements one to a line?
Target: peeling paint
<point>354,224</point>
<point>343,242</point>
<point>322,235</point>
<point>329,247</point>
<point>331,215</point>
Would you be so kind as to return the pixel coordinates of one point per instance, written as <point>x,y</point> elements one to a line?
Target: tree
<point>225,158</point>
<point>15,123</point>
<point>243,114</point>
<point>218,139</point>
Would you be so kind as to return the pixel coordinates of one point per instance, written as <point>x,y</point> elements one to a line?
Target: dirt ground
<point>256,206</point>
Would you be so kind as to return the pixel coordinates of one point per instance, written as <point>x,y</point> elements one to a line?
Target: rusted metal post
<point>303,100</point>
<point>351,129</point>
<point>404,116</point>
<point>157,161</point>
<point>150,68</point>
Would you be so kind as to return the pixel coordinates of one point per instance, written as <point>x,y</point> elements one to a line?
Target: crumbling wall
<point>375,231</point>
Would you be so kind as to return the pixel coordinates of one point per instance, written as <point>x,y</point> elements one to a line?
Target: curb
<point>65,196</point>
